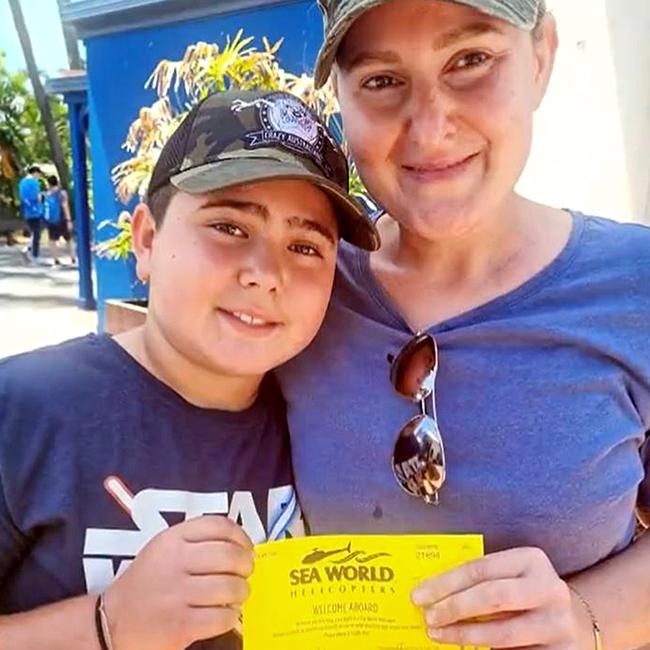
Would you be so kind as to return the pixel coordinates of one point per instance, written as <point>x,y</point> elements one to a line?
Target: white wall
<point>592,136</point>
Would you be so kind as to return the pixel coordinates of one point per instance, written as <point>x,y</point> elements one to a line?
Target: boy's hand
<point>187,584</point>
<point>509,599</point>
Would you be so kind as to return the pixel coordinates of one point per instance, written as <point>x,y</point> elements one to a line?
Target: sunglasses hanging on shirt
<point>419,456</point>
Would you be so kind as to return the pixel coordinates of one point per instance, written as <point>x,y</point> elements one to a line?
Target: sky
<point>44,26</point>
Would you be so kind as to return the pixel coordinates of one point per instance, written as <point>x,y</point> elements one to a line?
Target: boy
<point>105,443</point>
<point>58,220</point>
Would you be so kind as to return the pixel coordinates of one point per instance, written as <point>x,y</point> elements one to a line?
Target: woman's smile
<point>437,171</point>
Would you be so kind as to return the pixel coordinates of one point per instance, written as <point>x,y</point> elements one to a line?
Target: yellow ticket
<point>347,592</point>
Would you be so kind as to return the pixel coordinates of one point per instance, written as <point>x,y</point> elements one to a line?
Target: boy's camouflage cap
<point>240,137</point>
<point>338,16</point>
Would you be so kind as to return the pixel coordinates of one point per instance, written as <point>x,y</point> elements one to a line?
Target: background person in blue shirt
<point>31,207</point>
<point>58,219</point>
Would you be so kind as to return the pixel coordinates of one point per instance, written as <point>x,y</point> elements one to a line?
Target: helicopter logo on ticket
<point>347,592</point>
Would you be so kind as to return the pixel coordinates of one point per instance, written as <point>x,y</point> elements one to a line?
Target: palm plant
<point>10,142</point>
<point>23,140</point>
<point>8,156</point>
<point>205,68</point>
<point>11,131</point>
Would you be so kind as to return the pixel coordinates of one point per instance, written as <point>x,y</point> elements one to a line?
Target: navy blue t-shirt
<point>97,456</point>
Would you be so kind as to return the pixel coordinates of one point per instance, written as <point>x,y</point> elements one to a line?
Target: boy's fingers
<point>218,557</point>
<point>208,622</point>
<point>216,591</point>
<point>214,527</point>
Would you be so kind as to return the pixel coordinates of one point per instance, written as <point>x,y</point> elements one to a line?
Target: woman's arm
<point>618,591</point>
<point>527,604</point>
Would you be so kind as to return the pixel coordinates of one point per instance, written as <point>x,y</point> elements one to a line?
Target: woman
<point>539,325</point>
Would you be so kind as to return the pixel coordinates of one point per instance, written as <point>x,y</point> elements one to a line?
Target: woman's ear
<point>545,45</point>
<point>143,232</point>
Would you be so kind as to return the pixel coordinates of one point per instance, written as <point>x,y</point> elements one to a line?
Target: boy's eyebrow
<point>256,209</point>
<point>259,210</point>
<point>440,43</point>
<point>314,226</point>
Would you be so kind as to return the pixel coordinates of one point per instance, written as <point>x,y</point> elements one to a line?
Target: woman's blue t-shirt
<point>543,401</point>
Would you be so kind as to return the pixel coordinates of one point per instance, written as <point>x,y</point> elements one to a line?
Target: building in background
<point>592,141</point>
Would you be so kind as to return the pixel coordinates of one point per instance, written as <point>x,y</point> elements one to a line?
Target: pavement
<point>38,304</point>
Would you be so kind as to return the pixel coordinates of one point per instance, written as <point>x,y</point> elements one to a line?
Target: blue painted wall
<point>119,65</point>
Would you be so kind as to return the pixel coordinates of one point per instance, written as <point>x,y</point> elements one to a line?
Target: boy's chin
<point>254,362</point>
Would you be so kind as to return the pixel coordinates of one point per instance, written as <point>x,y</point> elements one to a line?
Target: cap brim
<point>354,224</point>
<point>339,29</point>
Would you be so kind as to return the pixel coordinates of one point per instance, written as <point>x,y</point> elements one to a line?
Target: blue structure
<point>125,39</point>
<point>73,87</point>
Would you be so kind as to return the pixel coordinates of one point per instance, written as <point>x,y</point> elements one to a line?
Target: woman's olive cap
<point>338,16</point>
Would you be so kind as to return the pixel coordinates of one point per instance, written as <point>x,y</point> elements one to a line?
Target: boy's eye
<point>380,82</point>
<point>305,249</point>
<point>228,229</point>
<point>470,60</point>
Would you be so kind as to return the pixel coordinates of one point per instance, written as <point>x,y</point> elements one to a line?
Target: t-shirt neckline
<point>525,290</point>
<point>173,399</point>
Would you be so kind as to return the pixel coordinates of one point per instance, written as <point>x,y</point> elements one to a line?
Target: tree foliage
<point>23,140</point>
<point>204,69</point>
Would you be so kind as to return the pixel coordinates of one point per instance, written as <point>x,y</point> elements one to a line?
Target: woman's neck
<point>201,386</point>
<point>476,254</point>
<point>434,280</point>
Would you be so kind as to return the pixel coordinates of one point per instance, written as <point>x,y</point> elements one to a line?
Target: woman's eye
<point>228,229</point>
<point>305,249</point>
<point>471,60</point>
<point>380,82</point>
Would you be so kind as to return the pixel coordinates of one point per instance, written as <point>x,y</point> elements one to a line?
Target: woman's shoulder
<point>614,236</point>
<point>613,247</point>
<point>348,258</point>
<point>609,263</point>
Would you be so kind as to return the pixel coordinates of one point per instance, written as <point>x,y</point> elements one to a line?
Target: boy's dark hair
<point>52,181</point>
<point>159,201</point>
<point>34,169</point>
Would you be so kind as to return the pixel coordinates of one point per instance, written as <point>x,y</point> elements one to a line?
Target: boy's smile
<point>249,320</point>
